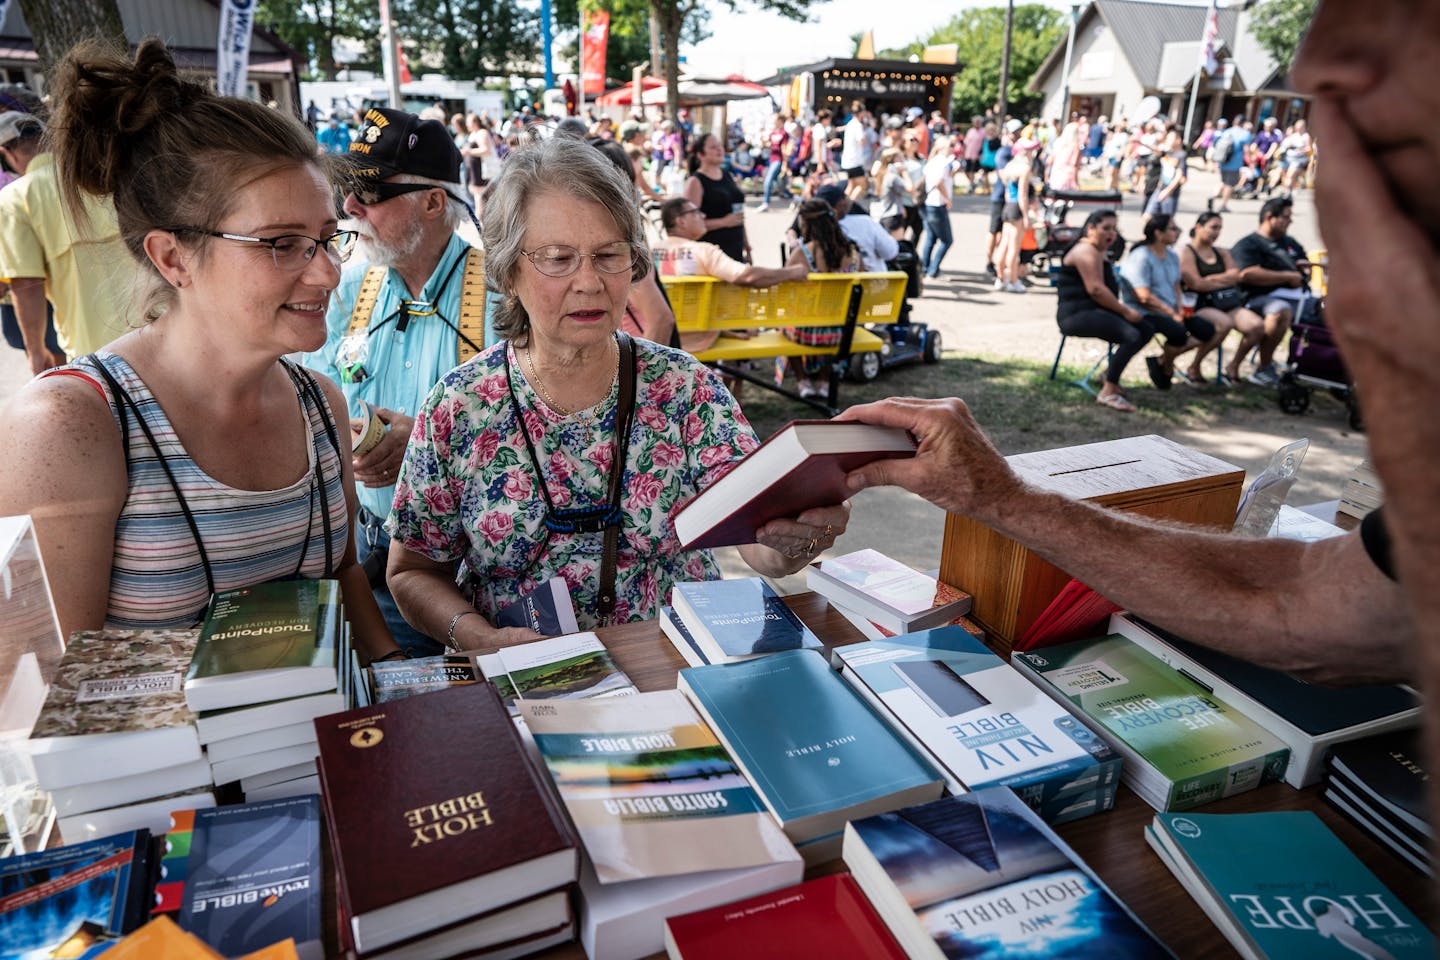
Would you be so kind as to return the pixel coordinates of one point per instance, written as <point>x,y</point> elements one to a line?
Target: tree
<point>57,25</point>
<point>469,38</point>
<point>312,27</point>
<point>1279,25</point>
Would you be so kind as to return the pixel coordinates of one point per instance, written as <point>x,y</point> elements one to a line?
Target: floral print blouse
<point>468,488</point>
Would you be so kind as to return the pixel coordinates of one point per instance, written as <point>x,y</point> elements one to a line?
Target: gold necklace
<point>589,420</point>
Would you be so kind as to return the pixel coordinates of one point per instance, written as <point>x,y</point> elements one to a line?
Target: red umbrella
<point>623,96</point>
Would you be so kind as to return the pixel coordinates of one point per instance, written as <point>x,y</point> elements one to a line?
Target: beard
<point>370,248</point>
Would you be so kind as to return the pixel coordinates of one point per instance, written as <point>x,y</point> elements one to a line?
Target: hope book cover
<point>116,707</point>
<point>886,591</point>
<point>1283,885</point>
<point>981,876</point>
<point>1183,746</point>
<point>818,754</point>
<point>266,642</point>
<point>740,618</point>
<point>438,815</point>
<point>649,788</point>
<point>803,465</point>
<point>982,723</point>
<point>826,917</point>
<point>252,877</point>
<point>73,901</point>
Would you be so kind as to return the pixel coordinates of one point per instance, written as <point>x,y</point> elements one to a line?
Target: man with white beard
<point>409,308</point>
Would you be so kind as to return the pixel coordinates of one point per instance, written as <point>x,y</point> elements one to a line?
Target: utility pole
<point>1002,104</point>
<point>392,69</point>
<point>1069,52</point>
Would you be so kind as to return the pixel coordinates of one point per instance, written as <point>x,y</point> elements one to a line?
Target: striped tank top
<point>158,576</point>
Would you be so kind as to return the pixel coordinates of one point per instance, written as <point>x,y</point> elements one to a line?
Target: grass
<point>1020,407</point>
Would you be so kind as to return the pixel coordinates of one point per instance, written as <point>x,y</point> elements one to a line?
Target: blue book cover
<point>547,610</point>
<point>740,618</point>
<point>1286,886</point>
<point>984,877</point>
<point>981,722</point>
<point>818,754</point>
<point>253,876</point>
<point>73,901</point>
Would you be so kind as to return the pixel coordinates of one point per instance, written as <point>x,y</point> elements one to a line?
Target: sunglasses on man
<point>369,194</point>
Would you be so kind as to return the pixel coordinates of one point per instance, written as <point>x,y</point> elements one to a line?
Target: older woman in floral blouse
<point>509,465</point>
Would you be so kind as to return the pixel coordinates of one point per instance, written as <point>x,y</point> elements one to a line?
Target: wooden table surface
<point>1112,843</point>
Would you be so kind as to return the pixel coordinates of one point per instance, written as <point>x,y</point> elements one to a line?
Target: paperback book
<point>817,753</point>
<point>803,465</point>
<point>115,708</point>
<point>267,642</point>
<point>981,723</point>
<point>437,815</point>
<point>739,619</point>
<point>398,679</point>
<point>681,638</point>
<point>981,876</point>
<point>1381,783</point>
<point>75,900</point>
<point>871,630</point>
<point>886,591</point>
<point>252,877</point>
<point>1282,885</point>
<point>574,667</point>
<point>649,788</point>
<point>215,725</point>
<point>1182,745</point>
<point>1310,719</point>
<point>827,917</point>
<point>547,610</point>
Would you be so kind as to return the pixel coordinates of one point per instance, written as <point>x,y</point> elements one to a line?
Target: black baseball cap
<point>393,141</point>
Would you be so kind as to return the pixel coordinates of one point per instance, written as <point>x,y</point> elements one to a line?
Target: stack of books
<point>981,723</point>
<point>668,821</point>
<point>1183,746</point>
<point>161,939</point>
<point>1362,492</point>
<point>815,751</point>
<point>982,876</point>
<point>1380,784</point>
<point>724,621</point>
<point>869,587</point>
<point>270,659</point>
<point>446,837</point>
<point>115,743</point>
<point>1282,885</point>
<point>1310,719</point>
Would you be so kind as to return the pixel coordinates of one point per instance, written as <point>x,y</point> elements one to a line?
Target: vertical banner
<point>232,50</point>
<point>403,64</point>
<point>1208,63</point>
<point>593,40</point>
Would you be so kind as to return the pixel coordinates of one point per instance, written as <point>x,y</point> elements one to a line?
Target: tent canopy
<point>693,92</point>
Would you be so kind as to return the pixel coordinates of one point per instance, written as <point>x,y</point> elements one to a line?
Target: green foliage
<point>980,36</point>
<point>470,39</point>
<point>313,26</point>
<point>1279,25</point>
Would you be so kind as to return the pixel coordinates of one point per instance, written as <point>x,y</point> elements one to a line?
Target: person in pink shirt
<point>974,143</point>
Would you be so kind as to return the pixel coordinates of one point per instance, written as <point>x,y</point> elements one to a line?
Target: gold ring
<point>829,530</point>
<point>810,550</point>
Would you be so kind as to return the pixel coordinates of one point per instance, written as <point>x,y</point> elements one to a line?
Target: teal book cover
<point>980,719</point>
<point>744,617</point>
<point>1203,746</point>
<point>807,740</point>
<point>985,878</point>
<point>285,624</point>
<point>1292,889</point>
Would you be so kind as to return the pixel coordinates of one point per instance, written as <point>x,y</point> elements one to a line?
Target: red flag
<point>592,50</point>
<point>1208,63</point>
<point>400,60</point>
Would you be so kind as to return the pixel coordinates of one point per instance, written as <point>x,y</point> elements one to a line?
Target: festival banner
<point>232,51</point>
<point>593,39</point>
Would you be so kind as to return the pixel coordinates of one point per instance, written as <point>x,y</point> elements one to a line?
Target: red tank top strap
<point>79,375</point>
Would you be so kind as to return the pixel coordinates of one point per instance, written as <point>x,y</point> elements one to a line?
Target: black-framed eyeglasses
<point>369,194</point>
<point>291,251</point>
<point>559,260</point>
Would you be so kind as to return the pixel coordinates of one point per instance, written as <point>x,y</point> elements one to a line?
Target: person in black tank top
<point>719,198</point>
<point>1208,270</point>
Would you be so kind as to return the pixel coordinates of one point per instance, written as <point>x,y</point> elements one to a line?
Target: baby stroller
<point>1053,236</point>
<point>1315,363</point>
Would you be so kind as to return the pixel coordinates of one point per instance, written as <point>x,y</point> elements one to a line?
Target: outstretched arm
<point>1321,610</point>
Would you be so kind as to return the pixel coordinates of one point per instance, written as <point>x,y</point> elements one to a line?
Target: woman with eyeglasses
<point>189,456</point>
<point>566,449</point>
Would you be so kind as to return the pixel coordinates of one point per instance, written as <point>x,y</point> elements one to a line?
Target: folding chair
<point>1084,382</point>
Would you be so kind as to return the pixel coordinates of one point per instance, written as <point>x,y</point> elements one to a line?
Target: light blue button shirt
<point>404,360</point>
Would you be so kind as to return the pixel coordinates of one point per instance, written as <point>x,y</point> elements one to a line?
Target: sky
<point>756,44</point>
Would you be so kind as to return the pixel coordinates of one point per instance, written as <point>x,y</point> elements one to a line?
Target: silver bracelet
<point>450,634</point>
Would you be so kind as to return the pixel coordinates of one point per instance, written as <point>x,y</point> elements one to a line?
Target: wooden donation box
<point>1146,475</point>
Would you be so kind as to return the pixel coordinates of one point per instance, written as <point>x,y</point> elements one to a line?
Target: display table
<point>1113,843</point>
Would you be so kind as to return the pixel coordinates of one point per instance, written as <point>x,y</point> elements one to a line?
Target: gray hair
<point>559,163</point>
<point>457,212</point>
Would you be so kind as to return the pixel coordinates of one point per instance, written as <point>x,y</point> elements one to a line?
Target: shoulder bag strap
<point>307,388</point>
<point>471,331</point>
<point>365,298</point>
<point>624,420</point>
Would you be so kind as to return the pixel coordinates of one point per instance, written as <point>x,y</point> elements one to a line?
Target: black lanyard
<point>604,517</point>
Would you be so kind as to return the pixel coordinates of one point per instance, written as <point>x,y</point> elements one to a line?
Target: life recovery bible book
<point>438,815</point>
<point>802,466</point>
